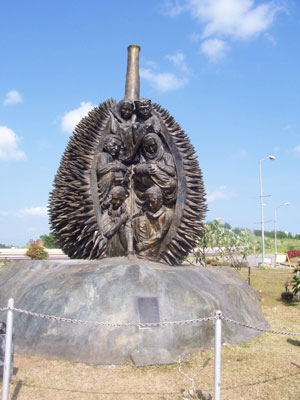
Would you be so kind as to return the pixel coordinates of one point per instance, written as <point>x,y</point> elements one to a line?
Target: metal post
<point>218,345</point>
<point>298,294</point>
<point>275,232</point>
<point>262,215</point>
<point>8,349</point>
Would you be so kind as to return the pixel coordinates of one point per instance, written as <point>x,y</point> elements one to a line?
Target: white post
<point>298,294</point>
<point>8,349</point>
<point>275,233</point>
<point>262,207</point>
<point>218,345</point>
<point>262,215</point>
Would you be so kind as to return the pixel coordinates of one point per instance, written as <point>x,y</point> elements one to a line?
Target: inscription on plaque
<point>148,310</point>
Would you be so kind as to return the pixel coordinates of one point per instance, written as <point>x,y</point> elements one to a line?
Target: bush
<point>49,241</point>
<point>265,266</point>
<point>293,253</point>
<point>36,251</point>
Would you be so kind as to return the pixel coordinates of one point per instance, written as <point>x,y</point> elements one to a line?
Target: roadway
<point>19,254</point>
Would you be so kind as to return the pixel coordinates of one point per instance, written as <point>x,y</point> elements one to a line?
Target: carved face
<point>117,202</point>
<point>154,202</point>
<point>113,147</point>
<point>126,110</point>
<point>144,110</point>
<point>118,196</point>
<point>151,146</point>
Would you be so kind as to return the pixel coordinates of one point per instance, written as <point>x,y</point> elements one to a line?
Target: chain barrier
<point>96,323</point>
<point>260,329</point>
<point>147,324</point>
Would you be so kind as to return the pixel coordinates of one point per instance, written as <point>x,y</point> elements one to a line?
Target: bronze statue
<point>113,223</point>
<point>152,226</point>
<point>110,171</point>
<point>156,167</point>
<point>129,182</point>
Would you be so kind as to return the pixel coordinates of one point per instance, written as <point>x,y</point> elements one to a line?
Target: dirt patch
<point>267,367</point>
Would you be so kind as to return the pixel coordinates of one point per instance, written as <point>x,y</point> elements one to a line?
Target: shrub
<point>293,253</point>
<point>296,284</point>
<point>49,241</point>
<point>36,251</point>
<point>265,266</point>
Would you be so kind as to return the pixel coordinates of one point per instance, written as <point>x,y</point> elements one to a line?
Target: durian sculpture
<point>129,183</point>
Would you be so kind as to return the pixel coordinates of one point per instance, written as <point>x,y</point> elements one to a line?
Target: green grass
<point>269,284</point>
<point>283,245</point>
<point>266,367</point>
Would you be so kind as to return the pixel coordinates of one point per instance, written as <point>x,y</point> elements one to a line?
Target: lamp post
<point>275,225</point>
<point>262,207</point>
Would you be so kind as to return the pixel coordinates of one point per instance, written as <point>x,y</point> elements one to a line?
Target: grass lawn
<point>267,367</point>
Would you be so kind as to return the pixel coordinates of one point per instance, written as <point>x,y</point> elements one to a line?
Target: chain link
<point>146,324</point>
<point>96,323</point>
<point>260,329</point>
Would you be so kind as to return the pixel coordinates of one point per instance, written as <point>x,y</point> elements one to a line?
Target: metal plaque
<point>148,310</point>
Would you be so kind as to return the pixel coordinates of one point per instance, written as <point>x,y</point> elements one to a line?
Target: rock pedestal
<point>119,290</point>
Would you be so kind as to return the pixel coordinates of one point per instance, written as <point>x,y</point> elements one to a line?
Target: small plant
<point>265,266</point>
<point>296,284</point>
<point>287,295</point>
<point>36,251</point>
<point>293,253</point>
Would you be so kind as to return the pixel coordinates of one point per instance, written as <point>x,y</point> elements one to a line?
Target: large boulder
<point>119,290</point>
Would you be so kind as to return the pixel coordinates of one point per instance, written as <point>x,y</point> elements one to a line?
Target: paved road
<point>255,260</point>
<point>19,254</point>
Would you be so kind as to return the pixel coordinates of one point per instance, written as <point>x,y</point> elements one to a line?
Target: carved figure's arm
<point>110,228</point>
<point>112,166</point>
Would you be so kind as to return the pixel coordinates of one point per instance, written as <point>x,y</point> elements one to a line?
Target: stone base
<point>108,290</point>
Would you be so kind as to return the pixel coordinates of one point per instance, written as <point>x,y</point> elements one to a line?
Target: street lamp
<point>275,225</point>
<point>262,207</point>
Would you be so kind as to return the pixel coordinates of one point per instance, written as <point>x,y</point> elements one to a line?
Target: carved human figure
<point>110,171</point>
<point>156,167</point>
<point>113,223</point>
<point>151,227</point>
<point>122,123</point>
<point>146,117</point>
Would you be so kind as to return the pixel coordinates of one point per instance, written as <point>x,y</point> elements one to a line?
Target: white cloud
<point>164,82</point>
<point>172,8</point>
<point>33,211</point>
<point>151,64</point>
<point>297,150</point>
<point>178,59</point>
<point>9,143</point>
<point>3,213</point>
<point>13,97</point>
<point>214,49</point>
<point>220,194</point>
<point>239,19</point>
<point>270,38</point>
<point>72,118</point>
<point>226,20</point>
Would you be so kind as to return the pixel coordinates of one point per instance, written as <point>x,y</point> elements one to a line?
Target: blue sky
<point>227,70</point>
